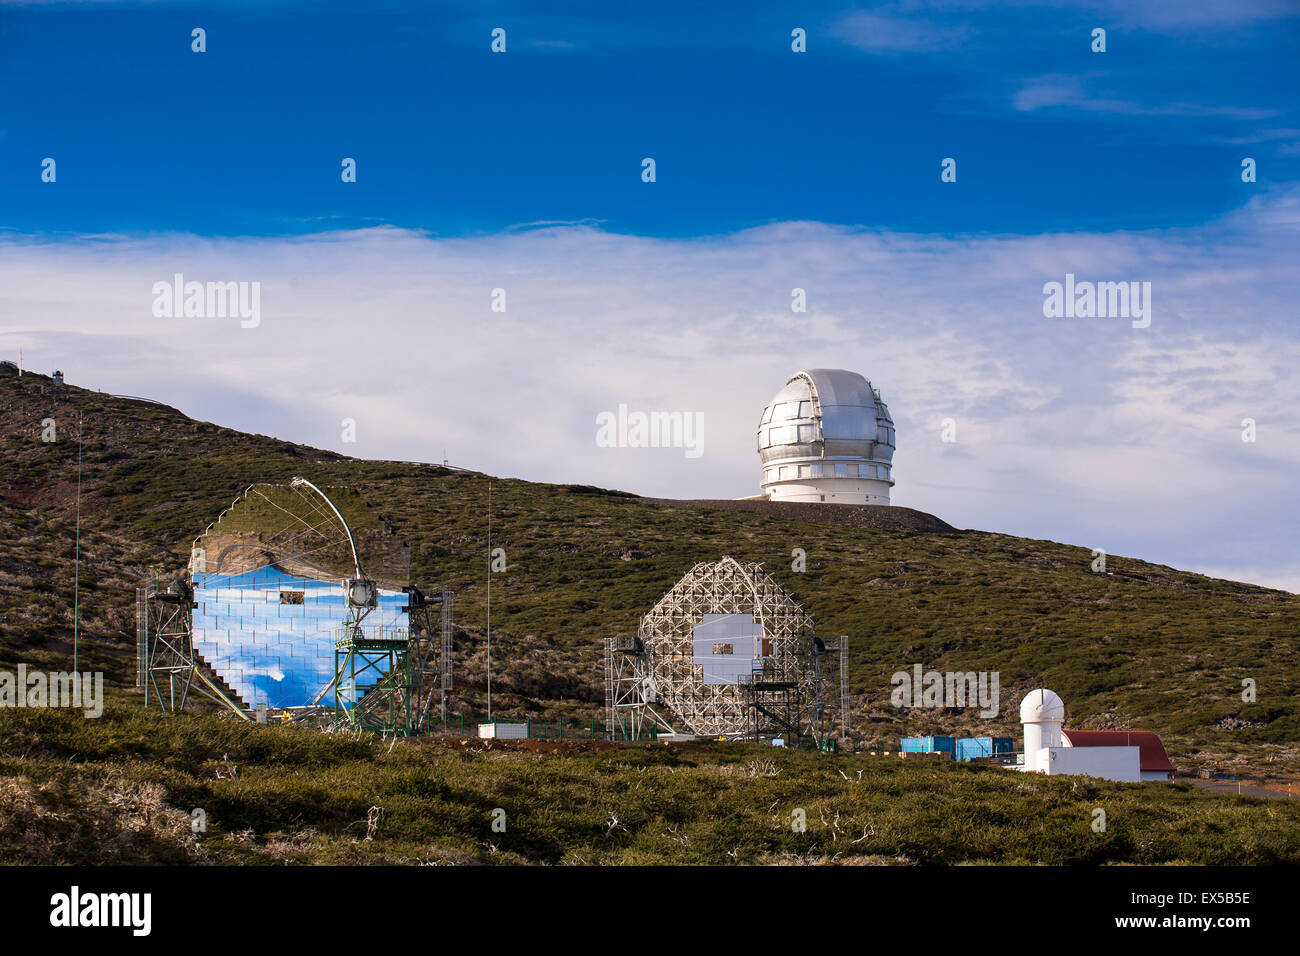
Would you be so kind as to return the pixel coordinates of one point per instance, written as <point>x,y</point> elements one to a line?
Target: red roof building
<point>1154,762</point>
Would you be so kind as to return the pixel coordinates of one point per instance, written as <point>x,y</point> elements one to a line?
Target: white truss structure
<point>655,681</point>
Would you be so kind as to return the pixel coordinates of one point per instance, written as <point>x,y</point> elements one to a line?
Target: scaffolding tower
<point>630,699</point>
<point>430,654</point>
<point>376,679</point>
<point>168,669</point>
<point>656,680</point>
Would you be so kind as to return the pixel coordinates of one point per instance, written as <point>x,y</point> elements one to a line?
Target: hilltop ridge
<point>1145,646</point>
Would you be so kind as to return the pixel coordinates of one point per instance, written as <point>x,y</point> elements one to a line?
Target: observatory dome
<point>827,436</point>
<point>1042,706</point>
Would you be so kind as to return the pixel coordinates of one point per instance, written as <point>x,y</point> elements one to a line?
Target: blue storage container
<point>929,745</point>
<point>970,748</point>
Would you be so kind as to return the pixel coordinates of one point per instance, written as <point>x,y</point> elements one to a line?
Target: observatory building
<point>1126,755</point>
<point>299,602</point>
<point>267,600</point>
<point>827,436</point>
<point>726,653</point>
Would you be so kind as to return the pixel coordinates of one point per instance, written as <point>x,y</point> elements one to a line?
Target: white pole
<point>356,561</point>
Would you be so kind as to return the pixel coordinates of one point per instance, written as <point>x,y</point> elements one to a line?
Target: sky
<point>522,171</point>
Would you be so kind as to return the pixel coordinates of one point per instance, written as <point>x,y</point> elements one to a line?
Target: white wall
<point>503,731</point>
<point>1110,763</point>
<point>1039,736</point>
<point>854,491</point>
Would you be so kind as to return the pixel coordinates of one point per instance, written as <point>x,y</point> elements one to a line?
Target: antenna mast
<point>76,580</point>
<point>489,606</point>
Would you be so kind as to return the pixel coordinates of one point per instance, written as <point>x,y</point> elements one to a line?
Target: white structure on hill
<point>1111,754</point>
<point>827,436</point>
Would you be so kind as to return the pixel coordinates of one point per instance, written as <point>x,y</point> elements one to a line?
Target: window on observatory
<point>816,471</point>
<point>767,415</point>
<point>853,471</point>
<point>805,409</point>
<point>785,471</point>
<point>806,434</point>
<point>841,470</point>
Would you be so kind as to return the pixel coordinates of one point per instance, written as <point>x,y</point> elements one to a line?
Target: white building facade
<point>1125,756</point>
<point>827,436</point>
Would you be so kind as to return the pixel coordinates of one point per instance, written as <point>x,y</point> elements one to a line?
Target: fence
<point>553,729</point>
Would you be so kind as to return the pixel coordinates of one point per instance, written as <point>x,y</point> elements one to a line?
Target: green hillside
<point>123,789</point>
<point>1144,646</point>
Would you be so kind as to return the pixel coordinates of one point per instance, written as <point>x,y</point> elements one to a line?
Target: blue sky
<point>247,138</point>
<point>818,171</point>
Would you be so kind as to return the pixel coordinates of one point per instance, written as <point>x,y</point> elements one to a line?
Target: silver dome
<point>829,414</point>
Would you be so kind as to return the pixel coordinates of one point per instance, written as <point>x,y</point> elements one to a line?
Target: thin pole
<point>76,585</point>
<point>489,606</point>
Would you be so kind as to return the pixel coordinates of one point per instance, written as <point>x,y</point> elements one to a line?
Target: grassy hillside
<point>1144,646</point>
<point>122,790</point>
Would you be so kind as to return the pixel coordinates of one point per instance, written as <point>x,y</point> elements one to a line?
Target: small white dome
<point>1042,706</point>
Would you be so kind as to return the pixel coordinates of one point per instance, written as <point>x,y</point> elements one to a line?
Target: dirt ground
<point>886,517</point>
<point>1267,790</point>
<point>564,747</point>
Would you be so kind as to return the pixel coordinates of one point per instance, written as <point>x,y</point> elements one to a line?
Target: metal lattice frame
<point>301,531</point>
<point>167,667</point>
<point>825,715</point>
<point>376,684</point>
<point>445,654</point>
<point>430,655</point>
<point>667,669</point>
<point>630,696</point>
<point>653,681</point>
<point>384,678</point>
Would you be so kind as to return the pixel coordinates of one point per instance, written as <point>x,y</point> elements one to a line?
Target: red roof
<point>1151,752</point>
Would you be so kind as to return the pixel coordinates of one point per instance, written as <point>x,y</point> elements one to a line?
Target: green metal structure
<point>378,683</point>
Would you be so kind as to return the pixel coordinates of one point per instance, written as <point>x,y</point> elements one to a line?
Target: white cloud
<point>1082,430</point>
<point>1174,17</point>
<point>884,31</point>
<point>1065,91</point>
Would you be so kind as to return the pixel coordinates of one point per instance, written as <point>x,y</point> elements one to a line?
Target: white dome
<point>827,436</point>
<point>1042,706</point>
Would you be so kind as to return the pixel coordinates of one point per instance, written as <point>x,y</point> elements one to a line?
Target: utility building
<point>1125,755</point>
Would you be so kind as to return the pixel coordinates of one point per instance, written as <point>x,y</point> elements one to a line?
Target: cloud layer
<point>1080,430</point>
